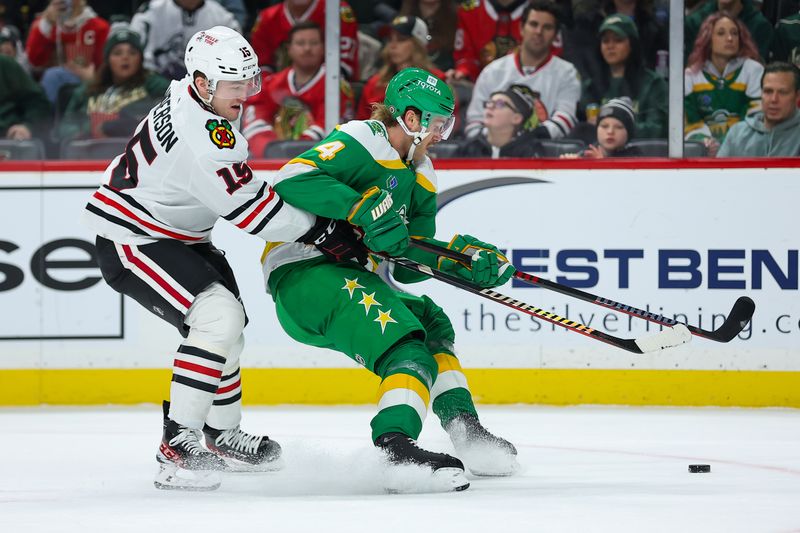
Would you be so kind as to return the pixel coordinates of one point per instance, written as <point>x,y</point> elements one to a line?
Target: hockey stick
<point>667,338</point>
<point>737,319</point>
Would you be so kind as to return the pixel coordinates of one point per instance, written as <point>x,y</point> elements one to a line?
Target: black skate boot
<point>183,462</point>
<point>400,449</point>
<point>485,454</point>
<point>243,452</point>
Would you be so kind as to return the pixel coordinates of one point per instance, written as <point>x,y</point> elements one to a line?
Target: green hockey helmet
<point>432,97</point>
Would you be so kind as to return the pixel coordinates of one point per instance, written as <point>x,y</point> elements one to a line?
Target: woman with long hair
<point>441,18</point>
<point>119,95</point>
<point>621,72</point>
<point>722,84</point>
<point>405,47</point>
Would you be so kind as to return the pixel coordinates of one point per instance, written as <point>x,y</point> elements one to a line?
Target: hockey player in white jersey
<point>184,168</point>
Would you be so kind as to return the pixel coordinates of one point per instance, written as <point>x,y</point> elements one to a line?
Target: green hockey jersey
<point>329,179</point>
<point>714,101</point>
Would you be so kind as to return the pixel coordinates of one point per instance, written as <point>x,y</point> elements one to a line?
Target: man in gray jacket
<point>775,132</point>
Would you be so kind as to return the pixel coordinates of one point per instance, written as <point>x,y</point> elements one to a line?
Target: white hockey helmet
<point>227,60</point>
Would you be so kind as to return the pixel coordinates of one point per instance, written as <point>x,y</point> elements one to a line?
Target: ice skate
<point>183,462</point>
<point>401,450</point>
<point>484,453</point>
<point>243,452</point>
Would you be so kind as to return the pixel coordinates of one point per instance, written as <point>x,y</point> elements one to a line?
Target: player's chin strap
<point>419,137</point>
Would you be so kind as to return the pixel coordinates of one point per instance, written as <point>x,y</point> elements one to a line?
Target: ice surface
<point>583,469</point>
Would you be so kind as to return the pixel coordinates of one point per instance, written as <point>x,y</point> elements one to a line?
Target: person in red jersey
<point>292,104</point>
<point>68,41</point>
<point>271,33</point>
<point>487,30</point>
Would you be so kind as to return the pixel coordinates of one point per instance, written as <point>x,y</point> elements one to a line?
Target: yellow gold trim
<point>447,362</point>
<point>303,161</point>
<point>738,86</point>
<point>324,386</point>
<point>268,248</point>
<point>392,164</point>
<point>403,381</point>
<point>702,87</point>
<point>425,183</point>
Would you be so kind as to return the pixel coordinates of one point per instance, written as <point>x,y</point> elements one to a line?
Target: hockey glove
<point>337,240</point>
<point>488,268</point>
<point>383,227</point>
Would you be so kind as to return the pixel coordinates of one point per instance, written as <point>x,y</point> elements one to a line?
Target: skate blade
<point>414,479</point>
<point>494,470</point>
<point>171,477</point>
<point>236,466</point>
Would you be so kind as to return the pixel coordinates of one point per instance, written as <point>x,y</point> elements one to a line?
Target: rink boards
<point>677,238</point>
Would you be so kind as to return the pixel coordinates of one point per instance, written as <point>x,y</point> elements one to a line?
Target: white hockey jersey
<point>183,169</point>
<point>556,81</point>
<point>166,27</point>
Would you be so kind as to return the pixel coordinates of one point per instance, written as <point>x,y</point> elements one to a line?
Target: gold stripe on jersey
<point>391,164</point>
<point>425,183</point>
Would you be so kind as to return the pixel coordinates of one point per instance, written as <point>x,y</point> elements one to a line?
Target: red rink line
<point>641,163</point>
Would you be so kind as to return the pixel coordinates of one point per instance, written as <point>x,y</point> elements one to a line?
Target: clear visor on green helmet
<point>418,88</point>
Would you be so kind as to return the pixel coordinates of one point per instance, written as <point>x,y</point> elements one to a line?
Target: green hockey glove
<point>488,268</point>
<point>383,227</point>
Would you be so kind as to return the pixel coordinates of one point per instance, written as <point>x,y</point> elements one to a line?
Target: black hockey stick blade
<point>737,319</point>
<point>667,338</point>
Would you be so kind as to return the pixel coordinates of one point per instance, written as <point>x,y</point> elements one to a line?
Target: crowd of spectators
<point>525,72</point>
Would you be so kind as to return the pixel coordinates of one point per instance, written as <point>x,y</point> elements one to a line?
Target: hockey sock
<point>450,392</point>
<point>407,371</point>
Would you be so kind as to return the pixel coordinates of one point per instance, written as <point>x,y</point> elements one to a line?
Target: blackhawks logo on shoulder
<point>221,133</point>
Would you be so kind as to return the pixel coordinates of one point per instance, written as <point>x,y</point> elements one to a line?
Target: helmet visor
<point>238,89</point>
<point>439,124</point>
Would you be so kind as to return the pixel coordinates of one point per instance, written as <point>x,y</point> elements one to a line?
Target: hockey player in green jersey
<point>375,174</point>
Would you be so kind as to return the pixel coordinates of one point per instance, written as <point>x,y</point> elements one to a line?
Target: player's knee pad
<point>409,356</point>
<point>216,320</point>
<point>440,333</point>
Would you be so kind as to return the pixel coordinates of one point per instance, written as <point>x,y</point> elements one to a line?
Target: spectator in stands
<point>405,47</point>
<point>622,73</point>
<point>487,30</point>
<point>579,43</point>
<point>759,27</point>
<point>11,46</point>
<point>166,25</point>
<point>507,118</point>
<point>722,83</point>
<point>119,96</point>
<point>534,65</point>
<point>786,41</point>
<point>616,126</point>
<point>237,9</point>
<point>291,104</point>
<point>775,132</point>
<point>24,108</point>
<point>68,43</point>
<point>440,16</point>
<point>270,33</point>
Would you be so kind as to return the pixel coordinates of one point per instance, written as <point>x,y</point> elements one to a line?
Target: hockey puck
<point>699,469</point>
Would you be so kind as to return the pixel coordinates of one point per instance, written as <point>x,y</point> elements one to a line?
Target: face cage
<point>237,89</point>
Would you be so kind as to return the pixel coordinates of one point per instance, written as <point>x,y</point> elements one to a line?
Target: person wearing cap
<point>406,46</point>
<point>509,117</point>
<point>621,72</point>
<point>292,104</point>
<point>11,46</point>
<point>616,126</point>
<point>119,95</point>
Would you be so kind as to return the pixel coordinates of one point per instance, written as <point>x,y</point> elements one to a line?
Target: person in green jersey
<point>372,174</point>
